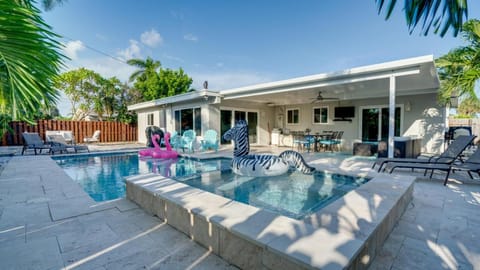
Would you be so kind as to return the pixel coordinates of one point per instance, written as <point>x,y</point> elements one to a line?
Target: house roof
<point>189,96</point>
<point>413,76</point>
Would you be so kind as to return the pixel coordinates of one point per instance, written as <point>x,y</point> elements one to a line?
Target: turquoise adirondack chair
<point>210,140</point>
<point>188,140</point>
<point>175,140</point>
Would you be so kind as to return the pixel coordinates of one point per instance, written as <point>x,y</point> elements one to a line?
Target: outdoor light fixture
<point>453,101</point>
<point>408,106</point>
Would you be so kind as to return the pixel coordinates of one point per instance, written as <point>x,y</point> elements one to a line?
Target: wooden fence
<point>109,131</point>
<point>470,122</point>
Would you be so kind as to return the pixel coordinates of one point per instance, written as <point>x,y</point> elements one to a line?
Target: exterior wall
<point>425,119</point>
<point>266,117</point>
<point>142,121</point>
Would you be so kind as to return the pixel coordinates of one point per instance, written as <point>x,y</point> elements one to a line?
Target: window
<point>293,116</point>
<point>150,119</point>
<point>188,119</point>
<point>320,115</point>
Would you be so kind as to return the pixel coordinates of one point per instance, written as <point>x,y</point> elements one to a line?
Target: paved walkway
<point>48,222</point>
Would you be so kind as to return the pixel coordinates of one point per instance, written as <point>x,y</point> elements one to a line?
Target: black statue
<point>151,130</point>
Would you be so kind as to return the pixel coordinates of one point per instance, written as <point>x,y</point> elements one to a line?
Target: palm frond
<point>30,59</point>
<point>442,15</point>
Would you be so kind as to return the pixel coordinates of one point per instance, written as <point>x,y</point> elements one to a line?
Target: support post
<point>391,117</point>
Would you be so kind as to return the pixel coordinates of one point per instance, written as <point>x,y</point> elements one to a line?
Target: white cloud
<point>227,80</point>
<point>151,38</point>
<point>72,48</point>
<point>133,51</point>
<point>190,37</point>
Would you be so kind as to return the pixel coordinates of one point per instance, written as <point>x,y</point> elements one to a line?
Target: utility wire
<point>97,50</point>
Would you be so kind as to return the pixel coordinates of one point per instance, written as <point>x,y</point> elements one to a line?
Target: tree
<point>441,14</point>
<point>469,107</point>
<point>89,93</point>
<point>459,70</point>
<point>171,83</point>
<point>153,84</point>
<point>30,60</point>
<point>82,87</point>
<point>146,67</point>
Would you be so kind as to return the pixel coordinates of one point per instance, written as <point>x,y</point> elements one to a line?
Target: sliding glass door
<point>228,118</point>
<point>374,123</point>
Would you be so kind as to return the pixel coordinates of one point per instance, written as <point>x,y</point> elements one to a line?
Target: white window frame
<point>193,111</point>
<point>299,116</point>
<point>313,115</point>
<point>150,116</point>
<point>380,107</point>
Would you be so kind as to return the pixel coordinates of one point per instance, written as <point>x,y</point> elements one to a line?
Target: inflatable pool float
<point>263,164</point>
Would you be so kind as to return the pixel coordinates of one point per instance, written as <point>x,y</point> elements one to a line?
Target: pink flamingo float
<point>168,153</point>
<point>156,151</point>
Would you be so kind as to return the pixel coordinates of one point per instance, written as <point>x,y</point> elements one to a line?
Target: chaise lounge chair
<point>33,141</point>
<point>95,137</point>
<point>453,151</point>
<point>59,141</point>
<point>472,164</point>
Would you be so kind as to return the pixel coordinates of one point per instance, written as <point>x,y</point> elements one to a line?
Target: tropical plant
<point>90,93</point>
<point>146,67</point>
<point>82,87</point>
<point>30,60</point>
<point>459,70</point>
<point>441,14</point>
<point>153,82</point>
<point>469,107</point>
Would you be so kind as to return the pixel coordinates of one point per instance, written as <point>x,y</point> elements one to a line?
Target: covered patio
<point>389,100</point>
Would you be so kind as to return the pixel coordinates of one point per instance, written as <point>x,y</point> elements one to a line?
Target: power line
<point>97,50</point>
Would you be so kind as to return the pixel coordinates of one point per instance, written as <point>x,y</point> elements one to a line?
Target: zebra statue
<point>262,164</point>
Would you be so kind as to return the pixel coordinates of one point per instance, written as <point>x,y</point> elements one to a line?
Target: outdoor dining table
<point>318,137</point>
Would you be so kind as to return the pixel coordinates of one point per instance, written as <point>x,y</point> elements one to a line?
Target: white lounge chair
<point>95,137</point>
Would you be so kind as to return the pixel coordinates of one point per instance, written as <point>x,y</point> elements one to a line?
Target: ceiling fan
<point>320,98</point>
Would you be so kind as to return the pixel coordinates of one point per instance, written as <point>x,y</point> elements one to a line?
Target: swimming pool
<point>102,175</point>
<point>293,194</point>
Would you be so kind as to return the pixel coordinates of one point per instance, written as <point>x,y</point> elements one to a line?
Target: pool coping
<point>346,234</point>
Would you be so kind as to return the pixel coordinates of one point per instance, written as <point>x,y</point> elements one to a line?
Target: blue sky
<point>238,43</point>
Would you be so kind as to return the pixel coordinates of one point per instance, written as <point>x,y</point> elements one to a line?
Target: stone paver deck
<point>48,222</point>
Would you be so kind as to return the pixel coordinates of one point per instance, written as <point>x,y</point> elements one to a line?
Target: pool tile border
<point>344,235</point>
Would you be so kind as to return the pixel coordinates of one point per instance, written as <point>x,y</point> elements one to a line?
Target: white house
<point>357,101</point>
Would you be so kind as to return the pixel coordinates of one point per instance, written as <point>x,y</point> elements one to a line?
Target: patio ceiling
<point>413,76</point>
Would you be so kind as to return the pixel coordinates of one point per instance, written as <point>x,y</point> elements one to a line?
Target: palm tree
<point>459,70</point>
<point>30,59</point>
<point>145,67</point>
<point>441,14</point>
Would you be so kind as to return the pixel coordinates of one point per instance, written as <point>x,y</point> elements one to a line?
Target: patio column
<point>391,117</point>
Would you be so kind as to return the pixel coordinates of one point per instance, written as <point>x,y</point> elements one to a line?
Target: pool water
<point>293,194</point>
<point>102,175</point>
